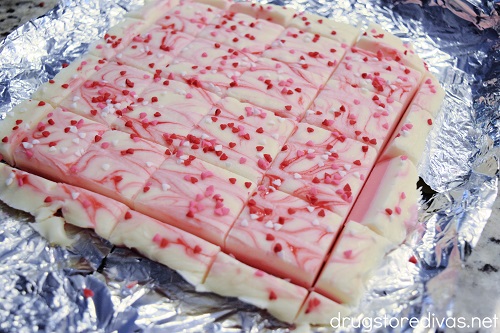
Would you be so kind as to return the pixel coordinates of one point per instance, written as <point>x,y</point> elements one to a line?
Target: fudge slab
<point>283,235</point>
<point>194,196</point>
<point>388,203</point>
<point>356,113</point>
<point>322,168</point>
<point>281,298</point>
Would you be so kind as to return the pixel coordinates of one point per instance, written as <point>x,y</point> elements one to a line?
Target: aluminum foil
<point>47,289</point>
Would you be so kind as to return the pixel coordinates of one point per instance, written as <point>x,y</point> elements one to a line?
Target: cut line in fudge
<point>283,235</point>
<point>269,12</point>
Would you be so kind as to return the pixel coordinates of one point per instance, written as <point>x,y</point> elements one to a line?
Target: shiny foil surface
<point>95,287</point>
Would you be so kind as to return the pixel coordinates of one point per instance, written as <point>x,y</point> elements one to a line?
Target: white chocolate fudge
<point>356,254</point>
<point>364,69</point>
<point>293,236</point>
<point>189,17</point>
<point>322,168</point>
<point>152,10</point>
<point>114,88</point>
<point>377,40</point>
<point>319,310</point>
<point>389,201</point>
<point>242,32</point>
<point>18,123</point>
<point>230,277</point>
<point>189,255</point>
<point>221,4</point>
<point>117,165</point>
<point>207,199</point>
<point>306,52</point>
<point>430,95</point>
<point>223,138</point>
<point>69,78</point>
<point>315,24</point>
<point>357,113</point>
<point>269,12</point>
<point>118,37</point>
<point>410,135</point>
<point>276,87</point>
<point>165,111</point>
<point>154,49</point>
<point>56,143</point>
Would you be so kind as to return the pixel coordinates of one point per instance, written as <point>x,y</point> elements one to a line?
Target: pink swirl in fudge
<point>117,165</point>
<point>322,167</point>
<point>111,90</point>
<point>56,143</point>
<point>291,234</point>
<point>207,199</point>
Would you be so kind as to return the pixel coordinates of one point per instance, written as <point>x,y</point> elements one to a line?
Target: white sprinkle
<point>119,55</point>
<point>310,151</point>
<point>244,223</point>
<point>329,229</point>
<point>275,136</point>
<point>35,142</point>
<point>208,120</point>
<point>75,195</point>
<point>278,226</point>
<point>315,222</point>
<point>310,209</point>
<point>185,144</point>
<point>347,167</point>
<point>165,187</point>
<point>297,175</point>
<point>52,149</point>
<point>281,119</point>
<point>260,155</point>
<point>149,164</point>
<point>27,145</point>
<point>76,141</point>
<point>64,149</point>
<point>356,174</point>
<point>342,173</point>
<point>218,147</point>
<point>9,181</point>
<point>262,141</point>
<point>277,182</point>
<point>76,98</point>
<point>228,165</point>
<point>73,129</point>
<point>115,142</point>
<point>106,166</point>
<point>183,157</point>
<point>82,135</point>
<point>205,136</point>
<point>321,164</point>
<point>254,216</point>
<point>269,224</point>
<point>325,157</point>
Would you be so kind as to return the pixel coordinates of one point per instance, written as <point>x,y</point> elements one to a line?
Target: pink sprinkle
<point>403,195</point>
<point>249,110</point>
<point>357,102</point>
<point>187,178</point>
<point>385,126</point>
<point>206,174</point>
<point>263,115</point>
<point>242,160</point>
<point>348,254</point>
<point>136,139</point>
<point>157,238</point>
<point>300,153</point>
<point>428,81</point>
<point>142,115</point>
<point>199,197</point>
<point>310,143</point>
<point>311,156</point>
<point>209,191</point>
<point>204,55</point>
<point>146,76</point>
<point>223,211</point>
<point>404,158</point>
<point>259,273</point>
<point>213,33</point>
<point>104,145</point>
<point>390,100</point>
<point>398,210</point>
<point>189,95</point>
<point>99,46</point>
<point>263,164</point>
